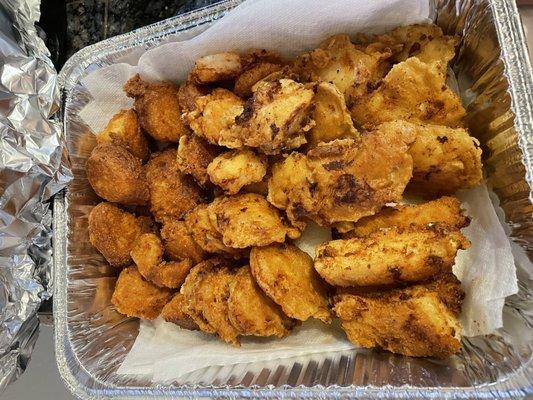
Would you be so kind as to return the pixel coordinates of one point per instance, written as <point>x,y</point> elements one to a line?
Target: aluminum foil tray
<point>495,80</point>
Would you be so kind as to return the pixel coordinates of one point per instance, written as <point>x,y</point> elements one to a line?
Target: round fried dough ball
<point>116,175</point>
<point>179,244</point>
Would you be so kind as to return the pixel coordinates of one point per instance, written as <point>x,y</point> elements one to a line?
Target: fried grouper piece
<point>252,312</point>
<point>418,321</point>
<point>193,157</point>
<point>237,168</point>
<point>179,244</point>
<point>116,175</point>
<point>414,91</point>
<point>158,108</point>
<point>343,180</point>
<point>112,231</point>
<point>206,291</point>
<point>390,256</point>
<point>444,161</point>
<point>124,130</point>
<point>172,194</point>
<point>216,67</point>
<point>446,210</point>
<point>174,312</point>
<point>275,118</point>
<point>136,297</point>
<point>286,274</point>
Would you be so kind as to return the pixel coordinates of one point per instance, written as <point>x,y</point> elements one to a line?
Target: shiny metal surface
<point>495,81</point>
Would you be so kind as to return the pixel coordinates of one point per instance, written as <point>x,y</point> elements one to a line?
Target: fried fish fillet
<point>216,67</point>
<point>112,231</point>
<point>444,161</point>
<point>446,210</point>
<point>390,256</point>
<point>214,115</point>
<point>158,108</point>
<point>193,157</point>
<point>286,274</point>
<point>172,194</point>
<point>124,130</point>
<point>147,253</point>
<point>418,321</point>
<point>252,312</point>
<point>275,118</point>
<point>206,291</point>
<point>237,168</point>
<point>179,244</point>
<point>414,91</point>
<point>116,175</point>
<point>174,312</point>
<point>136,297</point>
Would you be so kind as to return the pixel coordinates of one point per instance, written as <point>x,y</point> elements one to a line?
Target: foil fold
<point>33,167</point>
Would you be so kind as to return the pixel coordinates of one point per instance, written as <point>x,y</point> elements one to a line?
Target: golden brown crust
<point>172,194</point>
<point>391,256</point>
<point>158,108</point>
<point>179,244</point>
<point>174,312</point>
<point>188,93</point>
<point>124,130</point>
<point>247,79</point>
<point>194,155</point>
<point>286,274</point>
<point>419,321</point>
<point>135,297</point>
<point>216,67</point>
<point>116,175</point>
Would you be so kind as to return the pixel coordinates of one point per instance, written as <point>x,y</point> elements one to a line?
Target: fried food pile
<point>207,183</point>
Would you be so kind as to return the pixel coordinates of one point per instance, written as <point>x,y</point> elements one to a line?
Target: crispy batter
<point>286,275</point>
<point>444,160</point>
<point>252,75</point>
<point>343,180</point>
<point>419,321</point>
<point>332,119</point>
<point>112,231</point>
<point>116,175</point>
<point>234,169</point>
<point>179,244</point>
<point>216,67</point>
<point>158,108</point>
<point>247,220</point>
<point>194,155</point>
<point>446,210</point>
<point>172,194</point>
<point>257,56</point>
<point>252,312</point>
<point>135,297</point>
<point>414,91</point>
<point>174,312</point>
<point>215,114</point>
<point>188,93</point>
<point>124,130</point>
<point>391,256</point>
<point>275,118</point>
<point>206,291</point>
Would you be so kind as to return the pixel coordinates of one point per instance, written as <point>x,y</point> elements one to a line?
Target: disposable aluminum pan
<point>92,340</point>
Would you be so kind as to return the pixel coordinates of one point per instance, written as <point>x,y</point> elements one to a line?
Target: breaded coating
<point>413,91</point>
<point>194,155</point>
<point>446,210</point>
<point>286,275</point>
<point>252,312</point>
<point>275,118</point>
<point>147,254</point>
<point>206,291</point>
<point>158,108</point>
<point>135,297</point>
<point>234,169</point>
<point>112,231</point>
<point>332,119</point>
<point>444,161</point>
<point>172,194</point>
<point>116,175</point>
<point>216,67</point>
<point>343,180</point>
<point>174,312</point>
<point>124,130</point>
<point>390,256</point>
<point>247,220</point>
<point>417,321</point>
<point>188,93</point>
<point>179,244</point>
<point>252,75</point>
<point>215,114</point>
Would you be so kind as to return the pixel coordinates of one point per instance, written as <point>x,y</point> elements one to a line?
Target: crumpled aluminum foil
<point>33,167</point>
